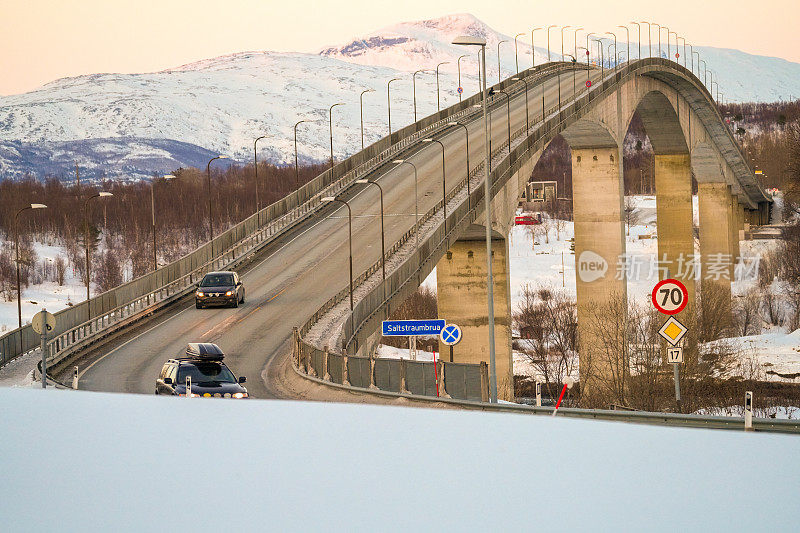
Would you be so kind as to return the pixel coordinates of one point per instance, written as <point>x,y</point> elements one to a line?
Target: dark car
<point>219,288</point>
<point>202,371</point>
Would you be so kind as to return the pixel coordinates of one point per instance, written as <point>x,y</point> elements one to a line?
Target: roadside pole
<point>43,323</point>
<point>43,345</point>
<point>670,297</point>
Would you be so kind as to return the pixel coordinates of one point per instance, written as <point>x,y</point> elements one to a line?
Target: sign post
<point>450,336</point>
<point>670,297</point>
<point>43,323</point>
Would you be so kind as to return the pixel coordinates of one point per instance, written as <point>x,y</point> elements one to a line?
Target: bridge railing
<point>106,311</point>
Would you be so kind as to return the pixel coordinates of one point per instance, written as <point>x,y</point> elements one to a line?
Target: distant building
<point>541,191</point>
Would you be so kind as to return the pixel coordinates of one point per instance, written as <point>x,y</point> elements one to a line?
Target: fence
<point>79,325</point>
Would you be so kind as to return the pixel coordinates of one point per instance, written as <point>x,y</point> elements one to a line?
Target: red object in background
<point>561,397</point>
<point>526,220</point>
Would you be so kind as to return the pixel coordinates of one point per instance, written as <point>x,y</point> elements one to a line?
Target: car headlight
<point>229,293</point>
<point>240,395</point>
<point>200,294</point>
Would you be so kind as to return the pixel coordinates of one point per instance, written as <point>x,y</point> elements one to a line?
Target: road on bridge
<point>294,277</point>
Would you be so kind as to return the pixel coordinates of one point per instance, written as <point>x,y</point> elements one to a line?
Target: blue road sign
<point>450,334</point>
<point>460,90</point>
<point>404,328</point>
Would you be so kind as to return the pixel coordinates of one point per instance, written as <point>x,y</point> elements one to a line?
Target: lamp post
<point>575,40</point>
<point>658,26</point>
<point>438,108</point>
<point>684,50</point>
<point>627,42</point>
<point>414,88</point>
<point>676,43</point>
<point>350,230</point>
<point>508,116</point>
<point>458,62</point>
<point>574,74</point>
<point>466,132</point>
<point>468,41</point>
<point>210,216</point>
<point>562,40</point>
<point>101,194</point>
<point>416,200</point>
<point>705,74</point>
<point>533,48</point>
<point>499,77</point>
<point>296,166</point>
<point>602,59</point>
<point>383,242</point>
<point>255,166</point>
<point>615,49</point>
<point>16,239</point>
<point>649,39</point>
<point>444,184</point>
<point>361,102</point>
<point>691,50</point>
<point>587,64</point>
<point>548,39</point>
<point>153,213</point>
<point>330,127</point>
<point>588,54</point>
<point>389,102</point>
<point>516,52</point>
<point>527,120</point>
<point>638,39</point>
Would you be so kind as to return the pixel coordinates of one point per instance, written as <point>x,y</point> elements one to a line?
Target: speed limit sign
<point>670,296</point>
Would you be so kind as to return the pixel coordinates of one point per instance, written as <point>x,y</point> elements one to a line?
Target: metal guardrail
<point>78,324</point>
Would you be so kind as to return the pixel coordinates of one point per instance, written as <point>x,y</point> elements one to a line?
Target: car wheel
<point>236,302</point>
<point>242,297</point>
<point>197,306</point>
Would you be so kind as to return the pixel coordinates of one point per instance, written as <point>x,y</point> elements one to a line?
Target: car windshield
<point>205,373</point>
<point>217,280</point>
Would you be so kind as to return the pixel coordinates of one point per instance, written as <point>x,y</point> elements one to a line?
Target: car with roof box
<point>200,373</point>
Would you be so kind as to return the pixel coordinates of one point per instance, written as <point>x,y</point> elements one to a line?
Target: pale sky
<point>41,40</point>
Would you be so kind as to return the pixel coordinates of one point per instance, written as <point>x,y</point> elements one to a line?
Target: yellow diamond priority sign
<point>673,331</point>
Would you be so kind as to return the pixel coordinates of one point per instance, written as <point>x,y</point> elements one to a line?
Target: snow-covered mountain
<point>132,125</point>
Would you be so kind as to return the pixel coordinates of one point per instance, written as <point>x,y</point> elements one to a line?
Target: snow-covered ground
<point>48,295</point>
<point>82,461</point>
<point>540,264</point>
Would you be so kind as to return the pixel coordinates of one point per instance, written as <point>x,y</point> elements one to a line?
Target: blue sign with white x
<point>450,335</point>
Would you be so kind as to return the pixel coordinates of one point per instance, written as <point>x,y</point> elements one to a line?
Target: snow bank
<point>95,461</point>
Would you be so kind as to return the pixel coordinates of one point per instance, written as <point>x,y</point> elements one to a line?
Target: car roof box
<point>204,350</point>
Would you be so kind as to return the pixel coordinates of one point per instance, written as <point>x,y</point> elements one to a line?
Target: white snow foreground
<point>92,461</point>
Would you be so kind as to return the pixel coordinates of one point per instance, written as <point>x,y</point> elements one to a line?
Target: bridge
<point>294,255</point>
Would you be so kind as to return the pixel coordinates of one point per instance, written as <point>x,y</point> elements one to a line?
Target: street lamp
<point>527,120</point>
<point>19,287</point>
<point>296,166</point>
<point>587,64</point>
<point>389,102</point>
<point>414,88</point>
<point>101,194</point>
<point>508,119</point>
<point>615,49</point>
<point>466,132</point>
<point>548,39</point>
<point>575,40</point>
<point>153,213</point>
<point>562,40</point>
<point>499,78</point>
<point>658,26</point>
<point>533,48</point>
<point>210,216</point>
<point>255,165</point>
<point>684,49</point>
<point>649,39</point>
<point>416,201</point>
<point>627,42</point>
<point>458,61</point>
<point>383,243</point>
<point>574,74</point>
<point>361,101</point>
<point>438,108</point>
<point>479,41</point>
<point>639,39</point>
<point>444,185</point>
<point>330,127</point>
<point>602,59</point>
<point>350,229</point>
<point>516,52</point>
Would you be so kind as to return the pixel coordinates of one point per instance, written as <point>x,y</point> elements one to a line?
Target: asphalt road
<point>290,280</point>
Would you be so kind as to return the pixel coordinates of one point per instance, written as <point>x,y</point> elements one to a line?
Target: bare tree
<point>632,215</point>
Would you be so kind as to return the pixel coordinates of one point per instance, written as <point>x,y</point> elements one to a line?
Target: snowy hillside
<point>131,125</point>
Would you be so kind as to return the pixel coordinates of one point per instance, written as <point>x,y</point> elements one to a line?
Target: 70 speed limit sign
<point>670,296</point>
